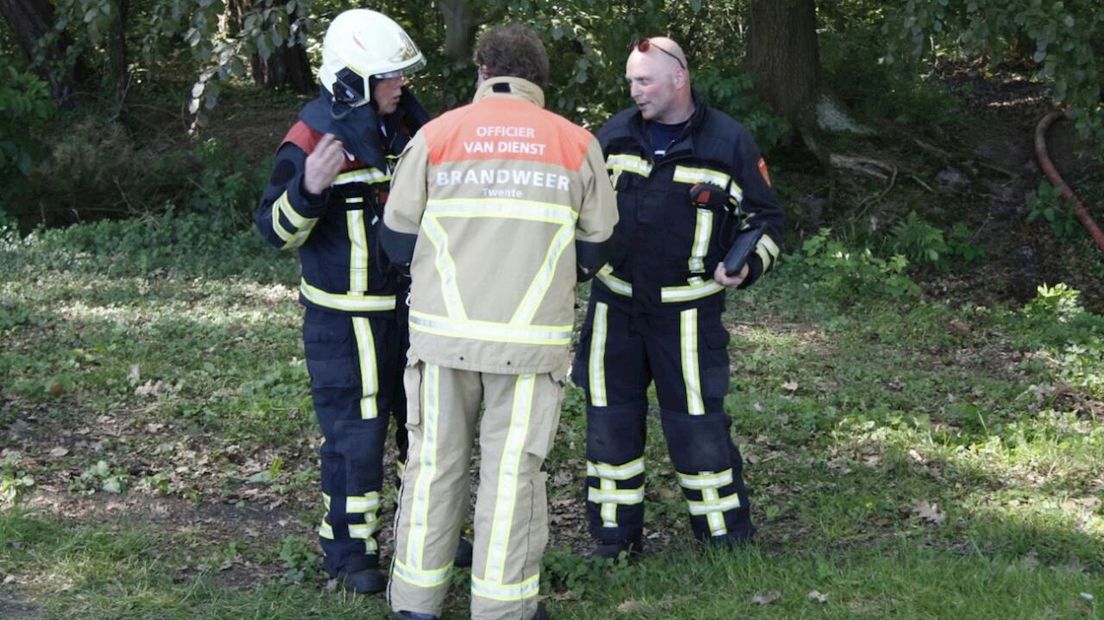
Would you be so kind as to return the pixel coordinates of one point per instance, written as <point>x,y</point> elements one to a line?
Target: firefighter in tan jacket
<point>499,207</point>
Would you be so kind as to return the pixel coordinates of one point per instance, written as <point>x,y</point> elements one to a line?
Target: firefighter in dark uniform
<point>689,178</point>
<point>325,197</point>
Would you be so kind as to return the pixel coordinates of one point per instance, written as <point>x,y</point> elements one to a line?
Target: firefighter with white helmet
<point>325,198</point>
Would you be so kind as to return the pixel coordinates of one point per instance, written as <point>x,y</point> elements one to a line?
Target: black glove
<point>709,196</point>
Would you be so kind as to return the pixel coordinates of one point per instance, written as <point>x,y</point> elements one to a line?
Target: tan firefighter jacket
<point>498,192</point>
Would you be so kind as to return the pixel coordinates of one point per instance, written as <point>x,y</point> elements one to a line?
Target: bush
<point>25,106</point>
<point>846,277</point>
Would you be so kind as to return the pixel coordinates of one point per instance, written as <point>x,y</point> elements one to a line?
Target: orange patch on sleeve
<point>764,172</point>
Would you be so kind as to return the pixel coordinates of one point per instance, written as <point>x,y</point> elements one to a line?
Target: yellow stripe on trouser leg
<point>427,465</point>
<point>369,369</point>
<point>596,362</point>
<point>688,335</point>
<point>511,518</point>
<point>508,472</point>
<point>709,484</point>
<point>608,475</point>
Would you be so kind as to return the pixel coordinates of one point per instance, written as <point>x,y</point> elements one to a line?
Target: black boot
<point>412,615</point>
<point>612,550</point>
<point>541,614</point>
<point>463,557</point>
<point>366,581</point>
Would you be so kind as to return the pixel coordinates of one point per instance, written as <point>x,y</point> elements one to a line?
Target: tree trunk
<point>459,28</point>
<point>29,21</point>
<point>119,55</point>
<point>285,65</point>
<point>782,54</point>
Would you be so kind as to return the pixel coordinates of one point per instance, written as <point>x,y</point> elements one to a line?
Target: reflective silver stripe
<point>688,335</point>
<point>615,496</point>
<point>616,472</point>
<point>488,331</point>
<point>446,268</point>
<point>421,578</point>
<point>427,467</point>
<point>347,303</point>
<point>505,592</point>
<point>706,479</point>
<point>538,288</point>
<point>364,175</point>
<point>509,476</point>
<point>528,210</point>
<point>703,230</point>
<point>358,251</point>
<point>362,503</point>
<point>629,163</point>
<point>722,504</point>
<point>596,360</point>
<point>369,373</point>
<point>691,176</point>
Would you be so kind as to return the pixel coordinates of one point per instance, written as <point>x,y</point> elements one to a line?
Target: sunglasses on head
<point>645,44</point>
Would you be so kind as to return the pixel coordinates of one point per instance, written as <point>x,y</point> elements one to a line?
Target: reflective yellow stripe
<point>421,578</point>
<point>721,504</point>
<point>691,176</point>
<point>357,504</point>
<point>703,230</point>
<point>484,588</point>
<point>538,288</point>
<point>714,518</point>
<point>596,362</point>
<point>696,289</point>
<point>706,479</point>
<point>615,496</point>
<point>491,332</point>
<point>629,163</point>
<point>616,472</point>
<point>768,252</point>
<point>302,224</point>
<point>446,268</point>
<point>354,200</point>
<point>296,219</point>
<point>369,373</point>
<point>325,531</point>
<point>427,466</point>
<point>736,193</point>
<point>528,210</point>
<point>688,335</point>
<point>608,510</point>
<point>364,175</point>
<point>346,303</point>
<point>509,474</point>
<point>358,251</point>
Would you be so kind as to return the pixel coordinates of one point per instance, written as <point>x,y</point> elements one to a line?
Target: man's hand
<point>323,164</point>
<point>724,279</point>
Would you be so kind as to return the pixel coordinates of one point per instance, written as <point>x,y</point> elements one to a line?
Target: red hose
<point>1056,179</point>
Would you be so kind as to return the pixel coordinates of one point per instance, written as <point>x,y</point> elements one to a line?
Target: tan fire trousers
<point>519,422</point>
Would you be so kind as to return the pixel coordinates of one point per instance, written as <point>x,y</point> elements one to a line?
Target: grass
<point>907,456</point>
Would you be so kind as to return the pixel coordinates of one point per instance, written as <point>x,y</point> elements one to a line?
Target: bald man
<point>689,181</point>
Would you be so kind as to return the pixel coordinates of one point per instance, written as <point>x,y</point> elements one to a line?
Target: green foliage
<point>925,244</point>
<point>583,576</point>
<point>1068,40</point>
<point>300,560</point>
<point>1048,206</point>
<point>1058,304</point>
<point>25,107</point>
<point>14,479</point>
<point>848,277</point>
<point>732,90</point>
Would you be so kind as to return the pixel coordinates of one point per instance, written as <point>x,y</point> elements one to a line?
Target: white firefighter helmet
<point>361,44</point>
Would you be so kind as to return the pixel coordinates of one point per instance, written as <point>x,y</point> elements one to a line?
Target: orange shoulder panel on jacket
<point>302,136</point>
<point>506,128</point>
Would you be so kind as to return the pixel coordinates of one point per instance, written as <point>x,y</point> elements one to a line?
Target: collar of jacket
<point>510,87</point>
<point>358,128</point>
<point>636,124</point>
